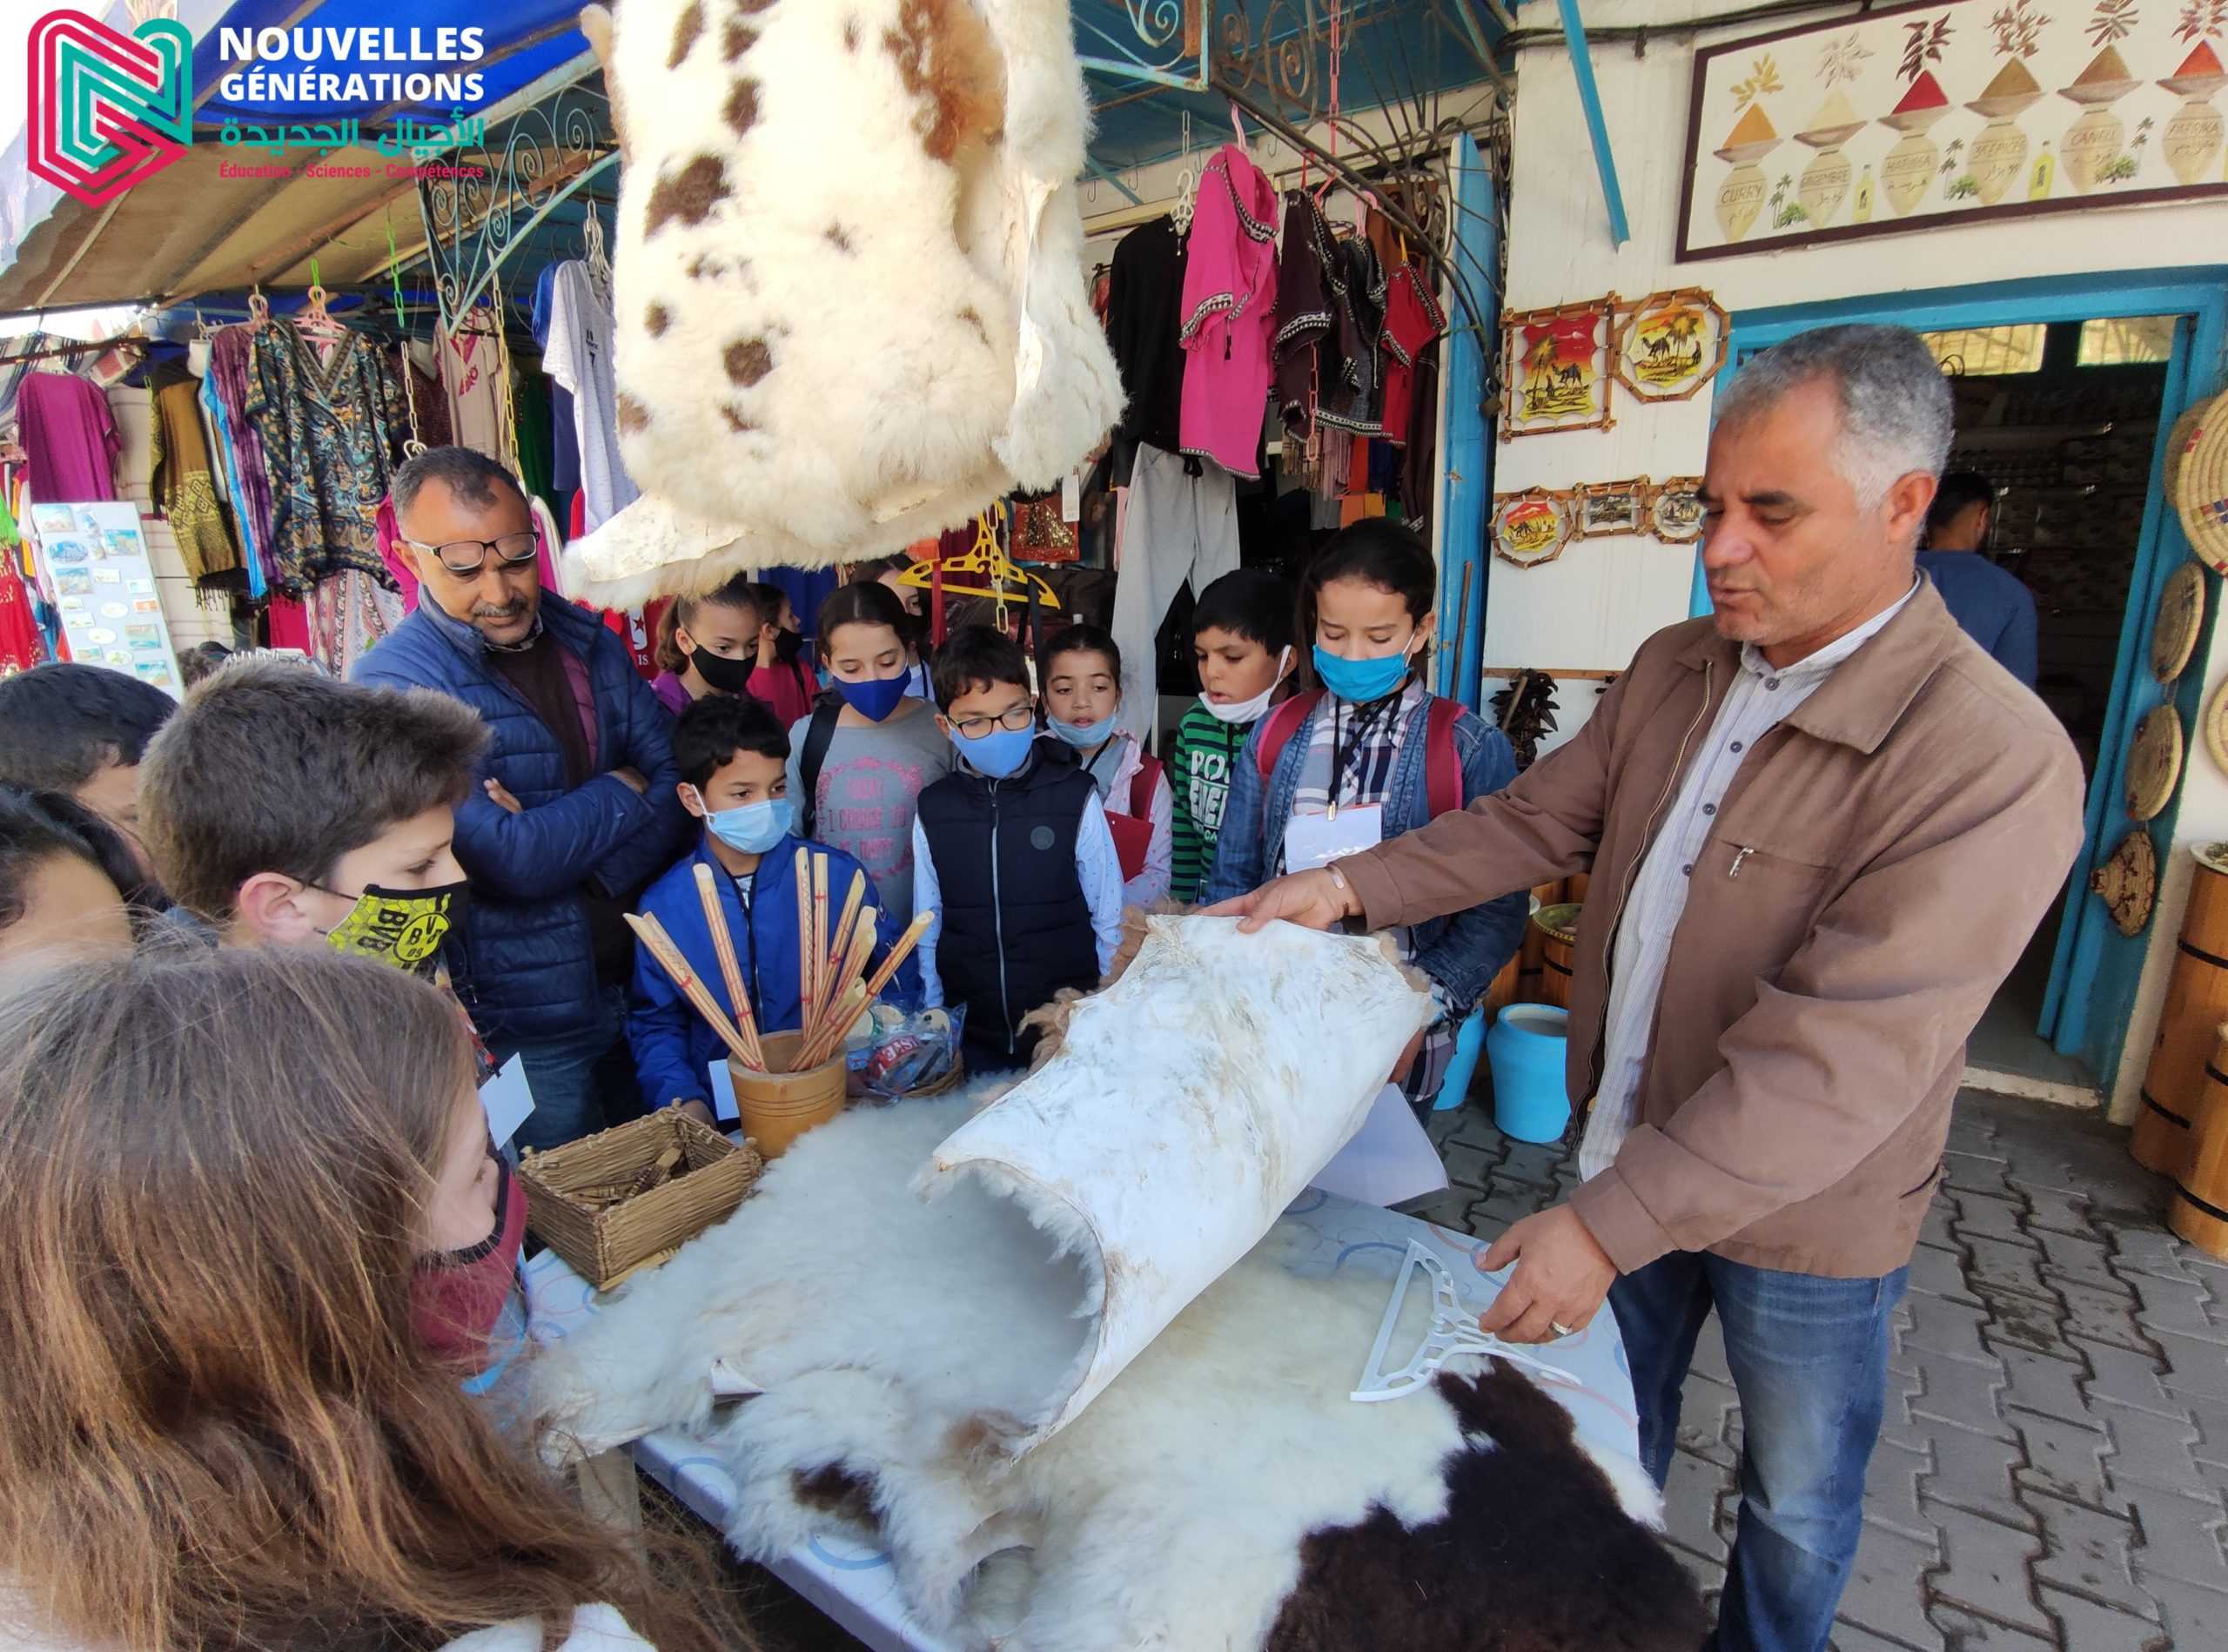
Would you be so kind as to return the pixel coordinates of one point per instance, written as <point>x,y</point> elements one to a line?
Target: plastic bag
<point>909,1052</point>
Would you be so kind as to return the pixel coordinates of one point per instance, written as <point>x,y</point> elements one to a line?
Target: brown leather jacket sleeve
<point>1543,824</point>
<point>1862,1021</point>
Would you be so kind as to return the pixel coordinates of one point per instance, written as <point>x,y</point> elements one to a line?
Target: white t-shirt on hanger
<point>579,357</point>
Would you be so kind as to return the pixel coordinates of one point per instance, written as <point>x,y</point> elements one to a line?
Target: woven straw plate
<point>2199,493</point>
<point>2154,762</point>
<point>2181,615</point>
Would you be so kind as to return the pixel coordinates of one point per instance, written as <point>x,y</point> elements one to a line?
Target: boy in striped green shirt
<point>1241,640</point>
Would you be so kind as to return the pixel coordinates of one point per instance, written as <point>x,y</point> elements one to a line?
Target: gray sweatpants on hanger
<point>1177,528</point>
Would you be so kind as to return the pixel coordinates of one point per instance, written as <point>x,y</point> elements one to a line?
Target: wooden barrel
<point>2189,1025</point>
<point>1575,886</point>
<point>1558,926</point>
<point>1532,951</point>
<point>2198,1210</point>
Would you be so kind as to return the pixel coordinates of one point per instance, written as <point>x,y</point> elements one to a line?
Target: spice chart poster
<point>94,559</point>
<point>1952,112</point>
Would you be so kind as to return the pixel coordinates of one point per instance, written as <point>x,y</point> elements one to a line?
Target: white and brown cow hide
<point>1222,1491</point>
<point>849,266</point>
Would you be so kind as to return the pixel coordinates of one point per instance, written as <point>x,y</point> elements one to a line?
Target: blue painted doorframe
<point>2095,969</point>
<point>1466,494</point>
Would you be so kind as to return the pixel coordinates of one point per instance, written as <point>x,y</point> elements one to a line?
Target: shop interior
<point>2063,419</point>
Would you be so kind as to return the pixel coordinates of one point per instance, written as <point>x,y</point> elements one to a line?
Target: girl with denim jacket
<point>1366,604</point>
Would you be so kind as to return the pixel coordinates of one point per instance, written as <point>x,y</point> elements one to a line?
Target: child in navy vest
<point>1012,854</point>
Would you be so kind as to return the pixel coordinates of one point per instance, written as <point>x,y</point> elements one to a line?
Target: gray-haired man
<point>1822,825</point>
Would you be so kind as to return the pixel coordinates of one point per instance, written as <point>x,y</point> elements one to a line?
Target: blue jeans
<point>571,1076</point>
<point>1809,1360</point>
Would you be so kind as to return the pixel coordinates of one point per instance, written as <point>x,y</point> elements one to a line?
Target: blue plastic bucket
<point>1469,1040</point>
<point>1525,1048</point>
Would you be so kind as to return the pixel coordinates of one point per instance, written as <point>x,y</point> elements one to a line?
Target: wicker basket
<point>605,1244</point>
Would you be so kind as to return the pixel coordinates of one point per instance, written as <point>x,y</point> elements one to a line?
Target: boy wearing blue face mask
<point>732,754</point>
<point>1079,670</point>
<point>1012,855</point>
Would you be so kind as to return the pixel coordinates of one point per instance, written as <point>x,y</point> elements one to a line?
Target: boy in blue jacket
<point>732,754</point>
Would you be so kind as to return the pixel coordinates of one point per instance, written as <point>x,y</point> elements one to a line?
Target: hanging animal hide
<point>926,1363</point>
<point>850,278</point>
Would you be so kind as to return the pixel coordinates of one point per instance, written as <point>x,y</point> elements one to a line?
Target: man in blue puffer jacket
<point>576,809</point>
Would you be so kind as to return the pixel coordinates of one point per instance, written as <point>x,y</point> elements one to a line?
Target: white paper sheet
<point>507,1100</point>
<point>1390,1160</point>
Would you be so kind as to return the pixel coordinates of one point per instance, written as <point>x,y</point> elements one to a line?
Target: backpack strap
<point>1442,764</point>
<point>1279,727</point>
<point>1143,784</point>
<point>816,738</point>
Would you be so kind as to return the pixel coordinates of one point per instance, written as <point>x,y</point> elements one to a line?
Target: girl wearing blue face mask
<point>1370,754</point>
<point>858,763</point>
<point>1079,670</point>
<point>733,758</point>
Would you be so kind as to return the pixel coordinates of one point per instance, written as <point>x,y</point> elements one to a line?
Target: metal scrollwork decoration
<point>480,201</point>
<point>1164,43</point>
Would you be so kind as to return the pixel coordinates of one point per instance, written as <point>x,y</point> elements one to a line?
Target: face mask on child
<point>1247,710</point>
<point>1359,682</point>
<point>749,828</point>
<point>999,754</point>
<point>874,698</point>
<point>1082,736</point>
<point>722,674</point>
<point>399,926</point>
<point>457,1296</point>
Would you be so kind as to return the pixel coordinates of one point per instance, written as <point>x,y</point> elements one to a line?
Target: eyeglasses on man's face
<point>467,556</point>
<point>1014,719</point>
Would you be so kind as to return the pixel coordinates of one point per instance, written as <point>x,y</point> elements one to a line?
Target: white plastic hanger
<point>1187,183</point>
<point>1451,1332</point>
<point>599,261</point>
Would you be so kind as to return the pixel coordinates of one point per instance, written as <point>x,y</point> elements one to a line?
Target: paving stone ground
<point>2053,1471</point>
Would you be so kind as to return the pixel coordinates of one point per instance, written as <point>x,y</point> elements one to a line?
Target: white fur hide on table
<point>918,1357</point>
<point>1170,1514</point>
<point>850,305</point>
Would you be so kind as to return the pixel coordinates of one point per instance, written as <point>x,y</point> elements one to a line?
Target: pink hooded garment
<point>1229,300</point>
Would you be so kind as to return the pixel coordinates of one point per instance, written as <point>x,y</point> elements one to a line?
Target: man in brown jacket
<point>1822,825</point>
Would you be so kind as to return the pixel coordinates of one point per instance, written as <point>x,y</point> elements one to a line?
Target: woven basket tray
<point>604,1244</point>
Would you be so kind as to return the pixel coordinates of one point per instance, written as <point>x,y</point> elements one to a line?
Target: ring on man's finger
<point>1561,1329</point>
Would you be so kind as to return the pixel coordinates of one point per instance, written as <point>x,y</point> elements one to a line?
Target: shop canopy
<point>201,227</point>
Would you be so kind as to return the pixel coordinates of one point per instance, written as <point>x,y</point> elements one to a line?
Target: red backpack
<point>1442,766</point>
<point>1133,828</point>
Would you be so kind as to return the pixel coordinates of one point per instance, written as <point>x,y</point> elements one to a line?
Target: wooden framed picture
<point>1607,510</point>
<point>1670,345</point>
<point>1675,510</point>
<point>1950,112</point>
<point>1532,527</point>
<point>1557,366</point>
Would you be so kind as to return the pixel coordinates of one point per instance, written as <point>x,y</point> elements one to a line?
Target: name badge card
<point>1317,840</point>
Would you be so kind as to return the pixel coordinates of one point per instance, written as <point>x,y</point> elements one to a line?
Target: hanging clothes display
<point>564,429</point>
<point>1143,316</point>
<point>349,612</point>
<point>225,387</point>
<point>577,355</point>
<point>1326,369</point>
<point>413,364</point>
<point>1413,319</point>
<point>473,370</point>
<point>21,645</point>
<point>1182,525</point>
<point>1229,304</point>
<point>183,487</point>
<point>325,423</point>
<point>69,436</point>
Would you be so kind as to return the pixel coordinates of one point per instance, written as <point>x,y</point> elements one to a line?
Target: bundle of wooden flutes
<point>832,963</point>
